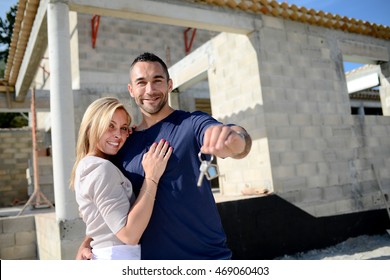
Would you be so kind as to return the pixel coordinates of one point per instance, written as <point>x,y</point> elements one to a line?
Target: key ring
<point>200,157</point>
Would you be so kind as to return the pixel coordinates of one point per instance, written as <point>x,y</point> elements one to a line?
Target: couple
<point>162,208</point>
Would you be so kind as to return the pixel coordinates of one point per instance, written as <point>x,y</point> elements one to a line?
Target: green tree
<point>12,120</point>
<point>6,30</point>
<point>8,120</point>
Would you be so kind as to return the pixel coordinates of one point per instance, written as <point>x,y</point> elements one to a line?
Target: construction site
<point>319,169</point>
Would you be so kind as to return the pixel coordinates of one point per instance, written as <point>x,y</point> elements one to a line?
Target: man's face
<point>149,87</point>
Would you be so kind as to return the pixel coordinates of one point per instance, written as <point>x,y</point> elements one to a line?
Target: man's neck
<point>148,120</point>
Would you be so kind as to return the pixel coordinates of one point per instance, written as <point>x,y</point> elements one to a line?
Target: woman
<point>114,219</point>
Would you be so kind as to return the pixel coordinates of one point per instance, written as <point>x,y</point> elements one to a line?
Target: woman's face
<point>115,135</point>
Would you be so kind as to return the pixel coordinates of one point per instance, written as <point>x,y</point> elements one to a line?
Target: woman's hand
<point>155,160</point>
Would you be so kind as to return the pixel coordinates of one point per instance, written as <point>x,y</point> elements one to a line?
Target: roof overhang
<point>29,40</point>
<point>363,78</point>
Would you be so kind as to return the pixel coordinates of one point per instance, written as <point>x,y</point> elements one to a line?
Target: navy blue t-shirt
<point>185,222</point>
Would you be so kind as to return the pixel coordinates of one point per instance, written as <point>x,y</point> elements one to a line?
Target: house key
<point>207,169</point>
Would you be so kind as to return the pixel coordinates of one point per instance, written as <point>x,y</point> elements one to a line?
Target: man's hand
<point>84,254</point>
<point>85,250</point>
<point>226,141</point>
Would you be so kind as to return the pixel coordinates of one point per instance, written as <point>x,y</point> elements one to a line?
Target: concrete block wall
<point>320,154</point>
<point>58,240</point>
<point>18,238</point>
<point>45,181</point>
<point>305,142</point>
<point>104,70</point>
<point>16,154</point>
<point>83,98</point>
<point>40,237</point>
<point>15,151</point>
<point>119,41</point>
<point>237,97</point>
<point>385,88</point>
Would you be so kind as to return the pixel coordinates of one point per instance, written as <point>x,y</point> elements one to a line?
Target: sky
<point>5,6</point>
<point>373,11</point>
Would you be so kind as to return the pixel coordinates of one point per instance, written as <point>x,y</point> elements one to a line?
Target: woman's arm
<point>154,163</point>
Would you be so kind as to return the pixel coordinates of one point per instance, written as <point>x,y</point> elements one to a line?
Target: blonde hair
<point>95,122</point>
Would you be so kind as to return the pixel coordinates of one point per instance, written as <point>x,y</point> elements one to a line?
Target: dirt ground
<point>375,247</point>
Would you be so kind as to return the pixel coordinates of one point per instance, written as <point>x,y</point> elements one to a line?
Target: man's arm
<point>227,141</point>
<point>85,249</point>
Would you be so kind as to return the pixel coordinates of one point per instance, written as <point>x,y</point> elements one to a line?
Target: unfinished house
<point>319,169</point>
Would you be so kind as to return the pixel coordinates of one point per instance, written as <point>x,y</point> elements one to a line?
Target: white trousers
<point>120,252</point>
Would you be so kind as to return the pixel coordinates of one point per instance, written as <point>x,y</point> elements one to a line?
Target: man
<point>185,223</point>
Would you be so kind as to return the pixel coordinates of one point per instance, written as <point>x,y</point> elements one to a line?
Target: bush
<point>12,120</point>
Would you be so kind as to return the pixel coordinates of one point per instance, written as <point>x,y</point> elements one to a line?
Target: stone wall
<point>15,153</point>
<point>320,154</point>
<point>286,85</point>
<point>16,166</point>
<point>18,238</point>
<point>58,240</point>
<point>40,237</point>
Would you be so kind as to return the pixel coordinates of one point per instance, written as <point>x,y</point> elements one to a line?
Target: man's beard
<point>153,109</point>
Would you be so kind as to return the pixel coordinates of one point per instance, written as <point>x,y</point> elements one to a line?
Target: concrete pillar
<point>384,89</point>
<point>174,100</point>
<point>361,110</point>
<point>61,107</point>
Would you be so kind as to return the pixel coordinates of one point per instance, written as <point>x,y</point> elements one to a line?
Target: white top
<point>104,196</point>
